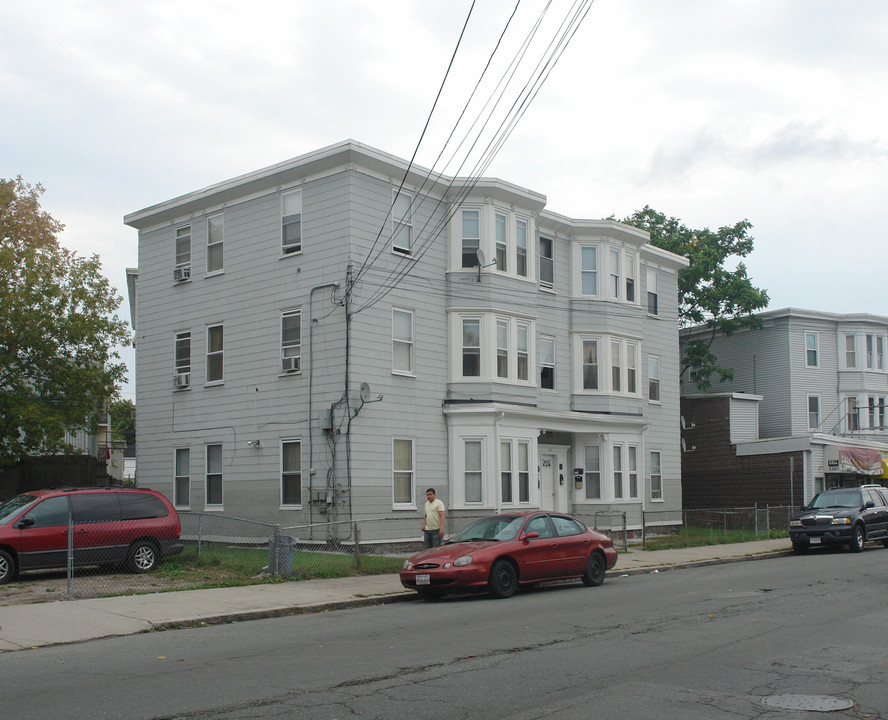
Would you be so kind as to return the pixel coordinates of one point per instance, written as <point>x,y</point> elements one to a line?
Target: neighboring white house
<point>317,341</point>
<point>822,382</point>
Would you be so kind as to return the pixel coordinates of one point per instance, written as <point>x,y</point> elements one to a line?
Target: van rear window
<point>137,506</point>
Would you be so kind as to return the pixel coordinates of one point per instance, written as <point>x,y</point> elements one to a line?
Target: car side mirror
<point>25,522</point>
<point>869,504</point>
<point>531,535</point>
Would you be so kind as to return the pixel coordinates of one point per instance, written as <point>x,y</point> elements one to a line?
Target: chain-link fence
<point>684,528</point>
<point>608,522</point>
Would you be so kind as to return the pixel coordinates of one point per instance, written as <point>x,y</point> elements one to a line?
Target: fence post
<point>70,565</point>
<point>275,545</point>
<point>199,533</point>
<point>768,519</point>
<point>756,511</point>
<point>643,533</point>
<point>357,547</point>
<point>684,524</point>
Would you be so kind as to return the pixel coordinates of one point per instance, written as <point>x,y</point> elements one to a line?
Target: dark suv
<point>111,527</point>
<point>842,516</point>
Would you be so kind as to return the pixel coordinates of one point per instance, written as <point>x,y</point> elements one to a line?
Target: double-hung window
<point>547,363</point>
<point>813,412</point>
<point>853,418</point>
<point>471,237</point>
<point>616,365</point>
<point>291,472</point>
<point>547,263</point>
<point>291,222</point>
<point>182,363</point>
<point>618,472</point>
<point>522,330</point>
<point>215,242</point>
<point>629,273</point>
<point>402,222</point>
<point>182,271</point>
<point>473,474</point>
<point>615,282</point>
<point>592,472</point>
<point>632,468</point>
<point>502,242</point>
<point>656,476</point>
<point>182,479</point>
<point>402,341</point>
<point>291,341</point>
<point>521,247</point>
<point>506,488</point>
<point>590,365</point>
<point>215,342</point>
<point>652,292</point>
<point>214,475</point>
<point>850,352</point>
<point>514,471</point>
<point>811,349</point>
<point>402,471</point>
<point>589,270</point>
<point>631,370</point>
<point>471,347</point>
<point>502,348</point>
<point>653,378</point>
<point>880,352</point>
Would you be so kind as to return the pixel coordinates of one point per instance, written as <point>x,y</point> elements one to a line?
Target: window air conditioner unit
<point>182,273</point>
<point>290,364</point>
<point>181,380</point>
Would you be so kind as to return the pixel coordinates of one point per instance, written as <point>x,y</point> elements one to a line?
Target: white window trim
<point>808,410</point>
<point>182,268</point>
<point>296,251</point>
<point>220,506</point>
<point>515,443</point>
<point>176,477</point>
<point>301,502</point>
<point>411,343</point>
<point>662,497</point>
<point>396,222</point>
<point>553,365</point>
<point>484,475</point>
<point>297,369</point>
<point>411,505</point>
<point>659,379</point>
<point>852,352</point>
<point>488,326</point>
<point>545,285</point>
<point>816,336</point>
<point>605,364</point>
<point>210,218</point>
<point>220,381</point>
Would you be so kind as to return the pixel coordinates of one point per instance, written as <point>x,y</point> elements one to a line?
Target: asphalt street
<point>710,642</point>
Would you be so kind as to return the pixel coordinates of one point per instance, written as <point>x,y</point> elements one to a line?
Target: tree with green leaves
<point>58,331</point>
<point>709,293</point>
<point>123,421</point>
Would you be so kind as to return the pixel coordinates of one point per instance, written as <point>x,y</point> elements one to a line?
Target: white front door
<point>553,482</point>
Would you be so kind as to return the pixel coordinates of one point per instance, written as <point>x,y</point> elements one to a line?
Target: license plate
<point>814,541</point>
<point>423,579</point>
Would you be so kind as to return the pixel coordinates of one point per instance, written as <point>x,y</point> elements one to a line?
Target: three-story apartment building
<point>325,338</point>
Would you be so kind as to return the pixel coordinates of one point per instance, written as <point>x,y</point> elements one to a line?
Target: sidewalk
<point>32,626</point>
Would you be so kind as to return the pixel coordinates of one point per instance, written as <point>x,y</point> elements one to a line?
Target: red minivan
<point>111,527</point>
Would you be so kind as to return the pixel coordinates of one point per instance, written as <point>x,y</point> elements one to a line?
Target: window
<point>614,290</point>
<point>883,408</point>
<point>214,353</point>
<point>592,471</point>
<point>214,476</point>
<point>811,349</point>
<point>502,243</point>
<point>291,222</point>
<point>616,364</point>
<point>182,270</point>
<point>52,512</point>
<point>291,341</point>
<point>547,363</point>
<point>589,270</point>
<point>656,476</point>
<point>215,237</point>
<point>402,471</point>
<point>653,296</point>
<point>880,353</point>
<point>853,414</point>
<point>523,472</point>
<point>182,480</point>
<point>523,357</point>
<point>631,371</point>
<point>402,222</point>
<point>618,472</point>
<point>506,470</point>
<point>182,362</point>
<point>632,458</point>
<point>291,472</point>
<point>850,354</point>
<point>547,263</point>
<point>471,347</point>
<point>813,412</point>
<point>653,378</point>
<point>872,412</point>
<point>472,479</point>
<point>402,341</point>
<point>629,272</point>
<point>471,237</point>
<point>521,247</point>
<point>502,348</point>
<point>870,351</point>
<point>590,364</point>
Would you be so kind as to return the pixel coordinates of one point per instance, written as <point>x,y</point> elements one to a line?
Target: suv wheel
<point>800,548</point>
<point>143,556</point>
<point>859,539</point>
<point>7,567</point>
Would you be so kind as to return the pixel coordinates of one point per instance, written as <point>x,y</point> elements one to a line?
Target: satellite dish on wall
<point>482,261</point>
<point>365,392</point>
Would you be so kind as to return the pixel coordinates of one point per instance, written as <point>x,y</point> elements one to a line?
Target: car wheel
<point>800,548</point>
<point>885,543</point>
<point>503,579</point>
<point>7,567</point>
<point>595,569</point>
<point>143,557</point>
<point>859,539</point>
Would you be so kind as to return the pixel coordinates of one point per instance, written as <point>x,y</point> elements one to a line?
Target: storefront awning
<point>852,460</point>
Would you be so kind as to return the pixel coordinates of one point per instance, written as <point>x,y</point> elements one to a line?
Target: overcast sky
<point>709,110</point>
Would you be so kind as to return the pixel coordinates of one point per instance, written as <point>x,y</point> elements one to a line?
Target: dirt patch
<point>51,586</point>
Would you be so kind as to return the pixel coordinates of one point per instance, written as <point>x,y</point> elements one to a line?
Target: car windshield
<point>837,498</point>
<point>498,527</point>
<point>12,507</point>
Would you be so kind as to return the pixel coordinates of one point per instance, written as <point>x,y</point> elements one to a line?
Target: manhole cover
<point>815,703</point>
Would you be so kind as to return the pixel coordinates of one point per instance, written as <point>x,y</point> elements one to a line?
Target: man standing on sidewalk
<point>433,524</point>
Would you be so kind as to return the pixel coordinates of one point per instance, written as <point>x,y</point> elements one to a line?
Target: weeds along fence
<point>720,524</point>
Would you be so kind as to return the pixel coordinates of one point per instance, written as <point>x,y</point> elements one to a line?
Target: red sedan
<point>501,552</point>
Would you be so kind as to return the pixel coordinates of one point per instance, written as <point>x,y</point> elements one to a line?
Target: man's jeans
<point>432,538</point>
